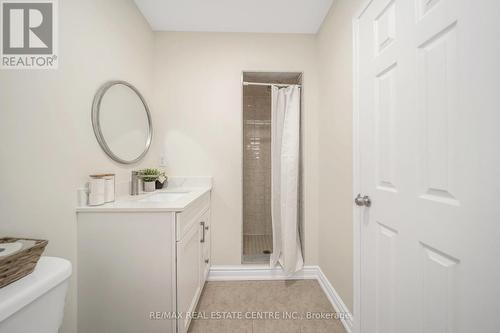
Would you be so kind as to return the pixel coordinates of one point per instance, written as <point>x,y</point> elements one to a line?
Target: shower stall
<point>257,158</point>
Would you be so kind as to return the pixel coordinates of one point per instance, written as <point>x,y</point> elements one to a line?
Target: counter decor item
<point>161,182</point>
<point>97,189</point>
<point>109,188</point>
<point>82,196</point>
<point>150,176</point>
<point>18,258</point>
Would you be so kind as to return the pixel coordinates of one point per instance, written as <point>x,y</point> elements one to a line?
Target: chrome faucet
<point>135,183</point>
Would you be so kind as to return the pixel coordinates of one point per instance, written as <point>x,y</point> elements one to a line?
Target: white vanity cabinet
<point>193,251</point>
<point>137,268</point>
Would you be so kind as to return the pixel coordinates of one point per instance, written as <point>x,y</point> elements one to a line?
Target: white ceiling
<point>272,16</point>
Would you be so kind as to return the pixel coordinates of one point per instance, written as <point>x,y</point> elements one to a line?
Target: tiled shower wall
<point>257,160</point>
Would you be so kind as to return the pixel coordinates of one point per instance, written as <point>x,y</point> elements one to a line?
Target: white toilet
<point>35,303</point>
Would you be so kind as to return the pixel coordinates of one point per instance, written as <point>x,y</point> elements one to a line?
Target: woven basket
<point>21,263</point>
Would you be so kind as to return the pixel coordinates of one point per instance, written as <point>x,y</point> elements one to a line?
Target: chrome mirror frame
<point>96,106</point>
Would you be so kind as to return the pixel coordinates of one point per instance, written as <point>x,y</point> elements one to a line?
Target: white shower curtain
<point>285,150</point>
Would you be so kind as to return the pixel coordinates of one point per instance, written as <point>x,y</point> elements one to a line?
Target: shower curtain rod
<point>269,84</point>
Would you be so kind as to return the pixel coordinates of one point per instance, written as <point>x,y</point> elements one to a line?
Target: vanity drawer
<point>191,215</point>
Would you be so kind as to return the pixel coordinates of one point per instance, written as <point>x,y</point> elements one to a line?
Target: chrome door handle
<point>363,201</point>
<point>202,223</point>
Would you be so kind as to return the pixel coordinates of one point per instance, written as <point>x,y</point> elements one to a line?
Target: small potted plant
<point>149,176</point>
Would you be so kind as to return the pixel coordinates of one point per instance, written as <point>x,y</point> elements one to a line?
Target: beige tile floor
<point>251,298</point>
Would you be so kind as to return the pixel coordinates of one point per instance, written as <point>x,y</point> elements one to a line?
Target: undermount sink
<point>164,197</point>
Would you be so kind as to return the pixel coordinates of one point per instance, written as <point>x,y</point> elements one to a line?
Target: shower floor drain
<point>266,252</point>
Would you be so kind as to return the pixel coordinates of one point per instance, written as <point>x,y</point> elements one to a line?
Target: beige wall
<point>334,47</point>
<point>198,90</point>
<point>47,143</point>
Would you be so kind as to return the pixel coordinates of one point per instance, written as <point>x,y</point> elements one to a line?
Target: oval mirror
<point>122,122</point>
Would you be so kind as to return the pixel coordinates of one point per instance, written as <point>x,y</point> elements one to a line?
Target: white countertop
<point>193,188</point>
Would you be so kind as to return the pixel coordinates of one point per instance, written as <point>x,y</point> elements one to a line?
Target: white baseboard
<point>264,272</point>
<point>337,303</point>
<point>257,272</point>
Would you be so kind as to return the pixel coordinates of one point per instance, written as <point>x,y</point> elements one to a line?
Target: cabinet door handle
<point>206,261</point>
<point>202,223</point>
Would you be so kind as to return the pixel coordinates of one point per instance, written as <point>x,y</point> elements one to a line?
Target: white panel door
<point>429,157</point>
